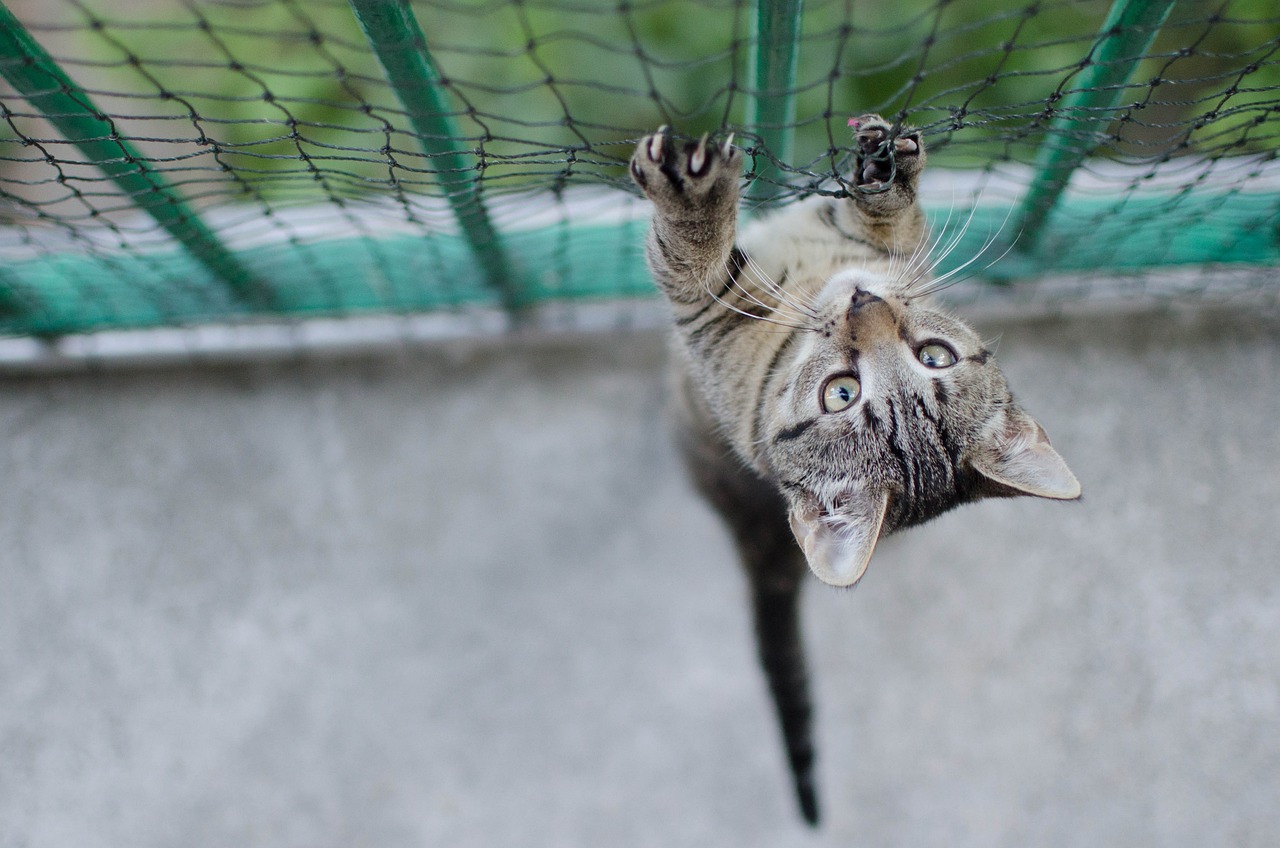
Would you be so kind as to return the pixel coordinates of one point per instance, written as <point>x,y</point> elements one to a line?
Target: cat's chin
<point>838,543</point>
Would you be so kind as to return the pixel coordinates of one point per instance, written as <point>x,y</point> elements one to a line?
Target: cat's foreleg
<point>882,207</point>
<point>694,189</point>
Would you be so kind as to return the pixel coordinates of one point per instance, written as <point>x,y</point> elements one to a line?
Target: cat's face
<point>888,414</point>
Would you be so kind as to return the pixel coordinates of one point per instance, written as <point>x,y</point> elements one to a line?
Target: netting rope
<point>170,163</point>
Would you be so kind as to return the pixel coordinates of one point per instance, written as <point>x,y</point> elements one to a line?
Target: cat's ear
<point>1018,458</point>
<point>839,544</point>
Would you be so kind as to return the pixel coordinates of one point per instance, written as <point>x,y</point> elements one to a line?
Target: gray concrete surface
<point>464,597</point>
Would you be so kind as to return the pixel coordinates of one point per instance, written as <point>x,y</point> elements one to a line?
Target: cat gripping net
<point>168,163</point>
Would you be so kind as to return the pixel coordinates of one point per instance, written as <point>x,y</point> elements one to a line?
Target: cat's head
<point>888,414</point>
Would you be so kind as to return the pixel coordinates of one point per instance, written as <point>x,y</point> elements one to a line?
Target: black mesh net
<point>170,163</point>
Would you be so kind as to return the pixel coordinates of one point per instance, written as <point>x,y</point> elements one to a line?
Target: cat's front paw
<point>888,164</point>
<point>684,180</point>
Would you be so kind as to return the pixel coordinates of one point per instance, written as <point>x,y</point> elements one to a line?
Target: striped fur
<point>823,401</point>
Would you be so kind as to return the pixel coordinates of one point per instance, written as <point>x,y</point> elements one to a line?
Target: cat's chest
<point>801,248</point>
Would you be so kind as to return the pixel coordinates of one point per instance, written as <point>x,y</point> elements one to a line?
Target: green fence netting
<point>167,163</point>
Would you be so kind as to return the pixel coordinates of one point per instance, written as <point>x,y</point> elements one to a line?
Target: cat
<point>822,402</point>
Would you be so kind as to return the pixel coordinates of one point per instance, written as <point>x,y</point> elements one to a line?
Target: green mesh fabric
<point>186,162</point>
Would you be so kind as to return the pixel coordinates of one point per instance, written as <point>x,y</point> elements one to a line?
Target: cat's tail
<point>756,515</point>
<point>778,639</point>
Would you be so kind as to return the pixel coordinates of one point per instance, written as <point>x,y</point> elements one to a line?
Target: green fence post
<point>1126,35</point>
<point>37,77</point>
<point>771,113</point>
<point>393,32</point>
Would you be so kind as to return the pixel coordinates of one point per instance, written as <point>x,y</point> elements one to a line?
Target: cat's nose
<point>862,299</point>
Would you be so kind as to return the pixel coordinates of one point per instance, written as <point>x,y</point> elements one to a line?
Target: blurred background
<point>339,503</point>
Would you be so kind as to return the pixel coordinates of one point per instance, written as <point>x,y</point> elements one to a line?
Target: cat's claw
<point>655,143</point>
<point>880,161</point>
<point>698,158</point>
<point>682,177</point>
<point>888,164</point>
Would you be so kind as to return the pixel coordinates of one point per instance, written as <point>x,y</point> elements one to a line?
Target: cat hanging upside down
<point>822,402</point>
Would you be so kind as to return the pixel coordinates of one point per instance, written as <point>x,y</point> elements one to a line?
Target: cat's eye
<point>936,355</point>
<point>840,393</point>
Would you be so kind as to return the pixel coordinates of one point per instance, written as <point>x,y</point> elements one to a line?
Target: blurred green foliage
<point>276,98</point>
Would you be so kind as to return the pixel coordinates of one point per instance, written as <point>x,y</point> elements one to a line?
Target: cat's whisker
<point>924,283</point>
<point>896,258</point>
<point>782,304</point>
<point>924,247</point>
<point>797,309</point>
<point>916,272</point>
<point>977,256</point>
<point>751,297</point>
<point>955,241</point>
<point>765,318</point>
<point>913,267</point>
<point>912,272</point>
<point>790,299</point>
<point>941,281</point>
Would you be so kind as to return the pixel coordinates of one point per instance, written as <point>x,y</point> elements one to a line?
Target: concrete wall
<point>464,597</point>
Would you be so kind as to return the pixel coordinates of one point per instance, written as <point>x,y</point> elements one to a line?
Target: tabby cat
<point>822,401</point>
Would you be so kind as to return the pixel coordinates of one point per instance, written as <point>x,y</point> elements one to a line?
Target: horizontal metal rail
<point>604,263</point>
